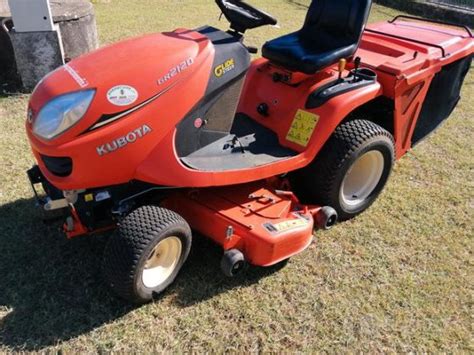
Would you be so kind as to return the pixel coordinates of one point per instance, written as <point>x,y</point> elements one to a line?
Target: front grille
<point>59,166</point>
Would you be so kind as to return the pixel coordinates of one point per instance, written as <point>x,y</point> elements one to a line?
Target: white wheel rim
<point>161,262</point>
<point>362,178</point>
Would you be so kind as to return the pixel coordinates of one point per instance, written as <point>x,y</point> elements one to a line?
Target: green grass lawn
<point>398,278</point>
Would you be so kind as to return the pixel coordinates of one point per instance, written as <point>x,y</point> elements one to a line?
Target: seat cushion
<point>291,53</point>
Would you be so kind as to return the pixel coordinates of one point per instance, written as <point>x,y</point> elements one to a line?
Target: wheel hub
<point>161,262</point>
<point>362,178</point>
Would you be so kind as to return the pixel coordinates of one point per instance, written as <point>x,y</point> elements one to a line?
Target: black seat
<point>332,31</point>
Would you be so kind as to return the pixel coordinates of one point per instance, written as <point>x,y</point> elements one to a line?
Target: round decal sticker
<point>122,95</point>
<point>198,122</point>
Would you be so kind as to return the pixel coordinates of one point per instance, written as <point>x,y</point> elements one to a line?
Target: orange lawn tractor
<point>180,131</point>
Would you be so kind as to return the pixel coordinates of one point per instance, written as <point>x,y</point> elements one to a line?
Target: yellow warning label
<point>89,197</point>
<point>302,128</point>
<point>287,225</point>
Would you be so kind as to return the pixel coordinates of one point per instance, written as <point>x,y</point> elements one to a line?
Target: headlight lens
<point>62,113</point>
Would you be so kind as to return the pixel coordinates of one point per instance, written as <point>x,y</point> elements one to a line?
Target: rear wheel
<point>350,171</point>
<point>146,253</point>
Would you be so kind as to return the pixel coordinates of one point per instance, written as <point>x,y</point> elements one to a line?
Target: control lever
<point>236,141</point>
<point>356,68</point>
<point>342,67</point>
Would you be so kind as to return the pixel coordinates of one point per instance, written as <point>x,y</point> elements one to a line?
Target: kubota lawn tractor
<point>178,131</point>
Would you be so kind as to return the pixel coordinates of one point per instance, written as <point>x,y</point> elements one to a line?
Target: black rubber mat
<point>248,145</point>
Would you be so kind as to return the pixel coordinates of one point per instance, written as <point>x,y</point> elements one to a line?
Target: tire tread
<point>345,141</point>
<point>127,245</point>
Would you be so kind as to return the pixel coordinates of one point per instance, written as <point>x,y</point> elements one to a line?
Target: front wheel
<point>146,253</point>
<point>350,171</point>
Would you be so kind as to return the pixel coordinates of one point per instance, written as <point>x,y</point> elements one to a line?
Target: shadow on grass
<point>201,277</point>
<point>51,289</point>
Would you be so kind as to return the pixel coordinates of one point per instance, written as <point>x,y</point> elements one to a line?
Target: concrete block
<point>36,53</point>
<point>79,36</point>
<point>76,20</point>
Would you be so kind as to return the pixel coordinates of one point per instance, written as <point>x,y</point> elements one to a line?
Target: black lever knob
<point>357,62</point>
<point>252,49</point>
<point>263,109</point>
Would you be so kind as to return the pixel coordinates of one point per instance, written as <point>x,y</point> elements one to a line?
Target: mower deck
<point>267,225</point>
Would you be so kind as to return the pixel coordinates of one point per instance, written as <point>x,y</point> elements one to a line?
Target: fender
<point>333,112</point>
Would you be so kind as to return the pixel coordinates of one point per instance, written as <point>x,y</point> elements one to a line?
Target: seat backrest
<point>335,23</point>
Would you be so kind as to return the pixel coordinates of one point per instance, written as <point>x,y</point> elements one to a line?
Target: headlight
<point>62,113</point>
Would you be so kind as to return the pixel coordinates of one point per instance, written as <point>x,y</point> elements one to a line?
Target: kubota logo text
<point>224,68</point>
<point>122,142</point>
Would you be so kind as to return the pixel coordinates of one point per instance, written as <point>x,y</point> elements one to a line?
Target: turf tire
<point>320,183</point>
<point>128,249</point>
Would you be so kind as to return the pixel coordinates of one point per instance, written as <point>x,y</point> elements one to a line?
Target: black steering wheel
<point>243,17</point>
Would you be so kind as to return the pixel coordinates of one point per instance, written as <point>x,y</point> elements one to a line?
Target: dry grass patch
<point>399,278</point>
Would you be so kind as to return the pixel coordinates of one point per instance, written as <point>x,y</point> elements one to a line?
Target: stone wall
<point>432,11</point>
